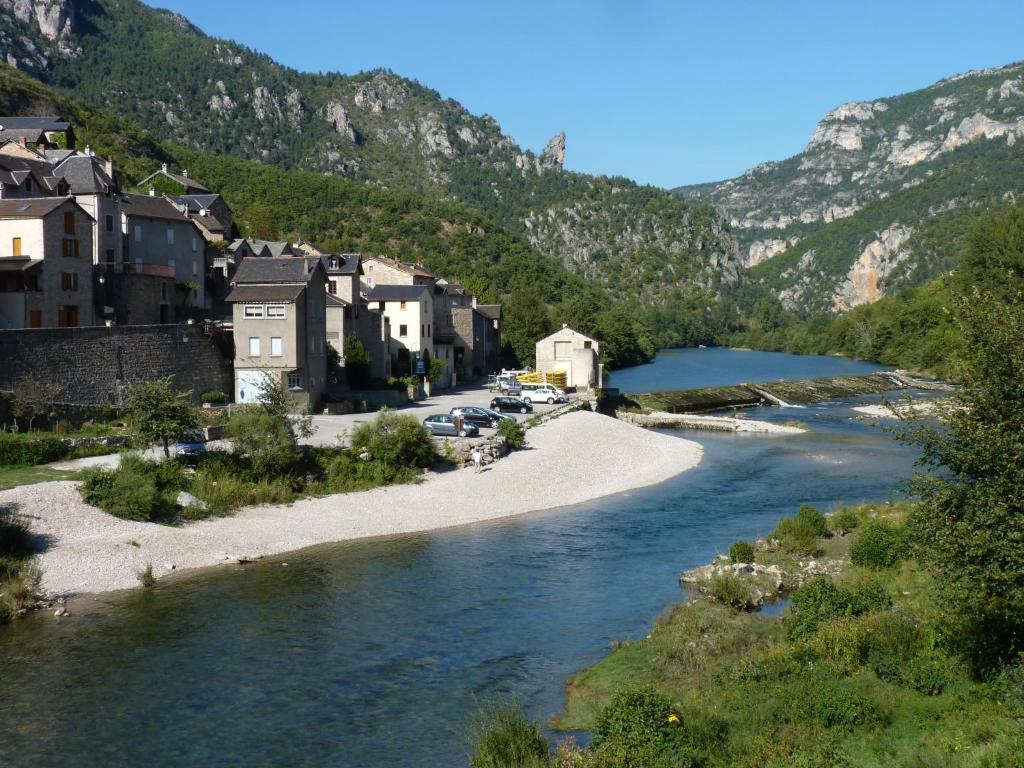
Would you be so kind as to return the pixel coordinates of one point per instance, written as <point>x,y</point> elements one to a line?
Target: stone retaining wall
<point>96,364</point>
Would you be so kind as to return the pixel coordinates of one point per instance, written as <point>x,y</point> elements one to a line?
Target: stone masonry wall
<point>94,365</point>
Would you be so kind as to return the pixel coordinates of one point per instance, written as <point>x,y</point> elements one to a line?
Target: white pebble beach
<point>576,458</point>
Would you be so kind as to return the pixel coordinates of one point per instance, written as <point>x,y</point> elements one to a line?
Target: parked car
<point>507,387</point>
<point>446,424</point>
<point>497,414</point>
<point>514,404</point>
<point>192,442</point>
<point>482,417</point>
<point>548,395</point>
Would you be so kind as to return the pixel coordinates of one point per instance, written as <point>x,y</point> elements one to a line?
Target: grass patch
<point>12,477</point>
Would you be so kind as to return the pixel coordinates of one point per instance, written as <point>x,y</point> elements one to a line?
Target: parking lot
<point>328,427</point>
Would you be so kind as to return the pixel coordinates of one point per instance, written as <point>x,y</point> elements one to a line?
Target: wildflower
<point>673,718</point>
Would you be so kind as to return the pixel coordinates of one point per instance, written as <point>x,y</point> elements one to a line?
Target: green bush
<point>732,590</point>
<point>638,727</point>
<point>396,440</point>
<point>503,737</point>
<point>844,521</point>
<point>215,397</point>
<point>741,552</point>
<point>265,441</point>
<point>800,533</point>
<point>842,643</point>
<point>21,451</point>
<point>879,545</point>
<point>513,432</point>
<point>821,600</point>
<point>137,490</point>
<point>833,705</point>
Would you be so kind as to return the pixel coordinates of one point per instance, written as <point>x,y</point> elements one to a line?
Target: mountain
<point>881,196</point>
<point>220,97</point>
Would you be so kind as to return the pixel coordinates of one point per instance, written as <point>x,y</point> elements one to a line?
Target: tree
<point>159,413</point>
<point>32,397</point>
<point>357,363</point>
<point>274,400</point>
<point>994,259</point>
<point>526,321</point>
<point>969,527</point>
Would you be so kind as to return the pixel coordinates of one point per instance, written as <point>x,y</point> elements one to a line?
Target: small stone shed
<point>575,354</point>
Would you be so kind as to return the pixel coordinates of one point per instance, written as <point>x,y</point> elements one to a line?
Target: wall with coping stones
<point>94,365</point>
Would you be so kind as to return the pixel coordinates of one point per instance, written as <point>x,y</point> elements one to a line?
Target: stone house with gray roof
<point>279,311</point>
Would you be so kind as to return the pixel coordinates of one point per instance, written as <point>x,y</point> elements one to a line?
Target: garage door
<point>247,386</point>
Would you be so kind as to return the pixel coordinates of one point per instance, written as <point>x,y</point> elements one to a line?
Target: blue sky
<point>666,93</point>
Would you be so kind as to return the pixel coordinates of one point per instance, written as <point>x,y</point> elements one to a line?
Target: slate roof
<point>336,301</point>
<point>83,173</point>
<point>416,270</point>
<point>30,207</point>
<point>151,207</point>
<point>490,311</point>
<point>348,263</point>
<point>185,181</point>
<point>396,292</point>
<point>40,169</point>
<point>250,293</point>
<point>42,123</point>
<point>18,263</point>
<point>287,269</point>
<point>275,248</point>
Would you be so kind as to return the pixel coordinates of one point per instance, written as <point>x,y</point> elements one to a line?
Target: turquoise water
<point>375,653</point>
<point>719,367</point>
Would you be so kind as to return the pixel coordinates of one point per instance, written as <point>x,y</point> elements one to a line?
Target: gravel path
<point>575,458</point>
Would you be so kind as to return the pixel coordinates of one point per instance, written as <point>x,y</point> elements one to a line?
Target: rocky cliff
<point>822,214</point>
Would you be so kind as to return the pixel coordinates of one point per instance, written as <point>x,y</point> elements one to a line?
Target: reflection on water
<point>374,654</point>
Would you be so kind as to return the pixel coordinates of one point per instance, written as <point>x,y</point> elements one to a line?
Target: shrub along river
<point>375,653</point>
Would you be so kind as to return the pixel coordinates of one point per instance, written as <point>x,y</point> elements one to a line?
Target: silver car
<point>446,424</point>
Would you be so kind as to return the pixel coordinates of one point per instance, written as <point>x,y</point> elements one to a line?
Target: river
<point>375,653</point>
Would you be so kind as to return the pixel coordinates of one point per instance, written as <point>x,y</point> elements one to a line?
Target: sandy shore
<point>576,458</point>
<point>663,420</point>
<point>925,408</point>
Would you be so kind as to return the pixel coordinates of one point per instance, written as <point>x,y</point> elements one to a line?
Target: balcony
<point>120,268</point>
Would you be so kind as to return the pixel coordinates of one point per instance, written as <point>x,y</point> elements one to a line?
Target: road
<point>328,427</point>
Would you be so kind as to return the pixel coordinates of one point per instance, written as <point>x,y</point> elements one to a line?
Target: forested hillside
<point>220,97</point>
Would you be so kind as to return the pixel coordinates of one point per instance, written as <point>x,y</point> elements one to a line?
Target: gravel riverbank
<point>578,457</point>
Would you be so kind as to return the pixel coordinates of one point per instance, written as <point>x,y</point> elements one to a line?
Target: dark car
<point>482,417</point>
<point>192,442</point>
<point>513,404</point>
<point>446,424</point>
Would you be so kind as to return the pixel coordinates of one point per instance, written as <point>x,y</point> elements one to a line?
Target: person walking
<point>478,459</point>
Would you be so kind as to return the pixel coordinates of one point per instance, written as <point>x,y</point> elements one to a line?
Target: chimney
<point>87,151</point>
<point>41,147</point>
<point>109,167</point>
<point>184,173</point>
<point>23,140</point>
<point>152,191</point>
<point>163,167</point>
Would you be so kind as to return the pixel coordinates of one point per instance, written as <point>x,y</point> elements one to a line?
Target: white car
<point>548,395</point>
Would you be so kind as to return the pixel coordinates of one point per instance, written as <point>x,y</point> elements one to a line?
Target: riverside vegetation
<point>264,466</point>
<point>907,651</point>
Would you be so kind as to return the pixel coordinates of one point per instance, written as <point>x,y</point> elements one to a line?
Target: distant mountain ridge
<point>219,96</point>
<point>878,191</point>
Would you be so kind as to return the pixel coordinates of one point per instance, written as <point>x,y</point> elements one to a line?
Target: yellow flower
<point>673,718</point>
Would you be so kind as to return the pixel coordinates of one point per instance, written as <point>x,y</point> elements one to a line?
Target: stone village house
<point>574,354</point>
<point>279,319</point>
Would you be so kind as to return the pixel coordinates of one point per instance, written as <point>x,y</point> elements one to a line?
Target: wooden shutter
<point>69,222</point>
<point>16,246</point>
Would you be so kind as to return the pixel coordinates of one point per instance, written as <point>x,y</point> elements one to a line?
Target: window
<point>294,381</point>
<point>16,246</point>
<point>163,290</point>
<point>275,346</point>
<point>35,318</point>
<point>253,311</point>
<point>401,305</point>
<point>586,345</point>
<point>109,222</point>
<point>332,287</point>
<point>110,255</point>
<point>254,346</point>
<point>195,268</point>
<point>69,247</point>
<point>170,235</point>
<point>195,245</point>
<point>67,317</point>
<point>334,262</point>
<point>137,230</point>
<point>275,311</point>
<point>403,331</point>
<point>171,263</point>
<point>69,281</point>
<point>28,184</point>
<point>69,223</point>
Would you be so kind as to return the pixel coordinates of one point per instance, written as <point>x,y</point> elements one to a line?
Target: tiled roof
<point>83,173</point>
<point>30,207</point>
<point>396,292</point>
<point>348,263</point>
<point>336,301</point>
<point>287,269</point>
<point>416,270</point>
<point>244,293</point>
